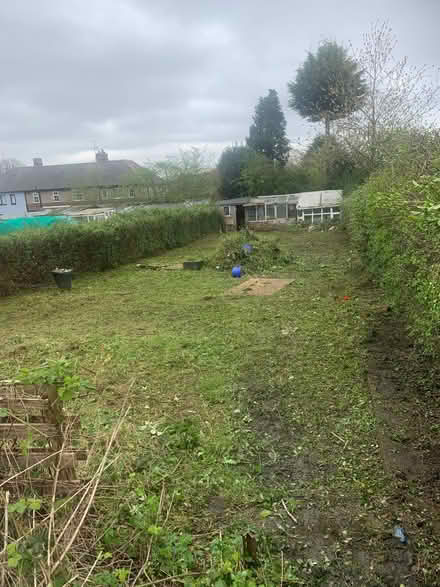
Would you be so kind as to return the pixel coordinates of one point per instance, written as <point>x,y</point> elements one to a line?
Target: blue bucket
<point>237,271</point>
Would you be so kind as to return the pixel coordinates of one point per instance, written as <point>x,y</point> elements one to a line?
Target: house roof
<point>72,175</point>
<point>90,212</point>
<point>232,202</point>
<point>276,199</point>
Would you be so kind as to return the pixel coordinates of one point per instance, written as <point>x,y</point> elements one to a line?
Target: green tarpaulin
<point>7,226</point>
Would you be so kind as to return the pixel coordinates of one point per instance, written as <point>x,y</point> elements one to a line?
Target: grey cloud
<point>144,78</point>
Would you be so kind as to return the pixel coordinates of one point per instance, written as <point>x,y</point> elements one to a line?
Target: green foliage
<point>28,257</point>
<point>184,434</point>
<point>185,176</point>
<point>267,134</point>
<point>395,225</point>
<point>328,85</point>
<point>325,165</point>
<point>228,567</point>
<point>231,164</point>
<point>27,553</point>
<point>328,165</point>
<point>112,578</point>
<point>59,372</point>
<point>262,178</point>
<point>23,505</point>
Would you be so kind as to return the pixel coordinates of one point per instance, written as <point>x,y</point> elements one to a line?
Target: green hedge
<point>27,257</point>
<point>395,225</point>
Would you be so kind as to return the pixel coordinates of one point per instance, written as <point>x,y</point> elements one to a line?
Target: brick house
<point>54,186</point>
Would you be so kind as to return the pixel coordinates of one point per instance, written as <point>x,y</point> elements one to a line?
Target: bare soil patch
<point>260,286</point>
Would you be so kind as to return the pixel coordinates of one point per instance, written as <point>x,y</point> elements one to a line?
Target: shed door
<point>291,210</point>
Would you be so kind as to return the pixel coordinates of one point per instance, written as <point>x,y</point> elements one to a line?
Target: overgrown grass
<point>241,409</point>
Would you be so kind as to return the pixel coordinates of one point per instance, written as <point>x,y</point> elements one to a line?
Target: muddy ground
<point>339,536</point>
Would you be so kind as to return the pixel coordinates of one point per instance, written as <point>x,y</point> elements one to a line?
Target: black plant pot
<point>194,265</point>
<point>63,279</point>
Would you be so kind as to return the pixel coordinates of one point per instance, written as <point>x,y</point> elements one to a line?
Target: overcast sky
<point>143,78</point>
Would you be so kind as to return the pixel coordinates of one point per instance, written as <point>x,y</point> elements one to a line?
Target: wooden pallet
<point>36,438</point>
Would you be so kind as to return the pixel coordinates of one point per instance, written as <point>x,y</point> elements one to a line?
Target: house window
<point>36,198</point>
<point>317,215</point>
<point>13,199</point>
<point>252,213</point>
<point>56,196</point>
<point>78,197</point>
<point>132,193</point>
<point>260,212</point>
<point>281,211</point>
<point>3,201</point>
<point>227,210</point>
<point>270,211</point>
<point>307,216</point>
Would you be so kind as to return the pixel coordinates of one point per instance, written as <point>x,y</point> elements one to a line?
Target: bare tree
<point>188,175</point>
<point>400,97</point>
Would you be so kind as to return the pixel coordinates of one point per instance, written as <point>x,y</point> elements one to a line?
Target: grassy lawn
<point>247,415</point>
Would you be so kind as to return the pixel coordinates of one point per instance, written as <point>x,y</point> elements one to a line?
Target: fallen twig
<point>291,516</point>
<point>93,492</point>
<point>170,579</point>
<point>338,437</point>
<point>282,569</point>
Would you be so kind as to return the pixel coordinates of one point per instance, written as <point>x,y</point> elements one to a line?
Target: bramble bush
<point>28,257</point>
<point>394,221</point>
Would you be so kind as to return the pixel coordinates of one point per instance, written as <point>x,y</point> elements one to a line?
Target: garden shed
<point>263,211</point>
<point>233,213</point>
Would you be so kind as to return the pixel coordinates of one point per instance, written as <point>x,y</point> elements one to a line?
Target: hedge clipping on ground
<point>28,257</point>
<point>254,253</point>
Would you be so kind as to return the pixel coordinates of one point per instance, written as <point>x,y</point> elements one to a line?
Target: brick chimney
<point>38,162</point>
<point>101,156</point>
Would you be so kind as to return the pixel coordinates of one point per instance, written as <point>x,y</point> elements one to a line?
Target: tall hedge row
<point>395,225</point>
<point>27,257</point>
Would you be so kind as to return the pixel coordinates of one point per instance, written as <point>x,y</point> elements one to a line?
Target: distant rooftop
<point>232,202</point>
<point>102,172</point>
<point>90,212</point>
